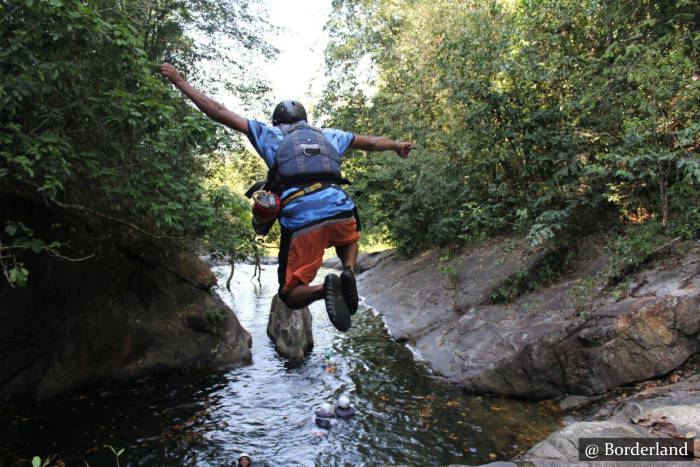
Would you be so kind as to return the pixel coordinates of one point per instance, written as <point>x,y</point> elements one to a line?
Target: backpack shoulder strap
<point>289,128</point>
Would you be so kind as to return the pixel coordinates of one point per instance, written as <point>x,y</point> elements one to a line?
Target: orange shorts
<point>304,250</point>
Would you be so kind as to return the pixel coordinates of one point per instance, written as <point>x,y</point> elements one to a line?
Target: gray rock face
<point>562,446</point>
<point>364,261</point>
<point>677,404</point>
<point>132,310</point>
<point>290,330</point>
<point>564,339</point>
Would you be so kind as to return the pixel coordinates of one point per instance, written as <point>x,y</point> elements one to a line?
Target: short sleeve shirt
<point>317,205</point>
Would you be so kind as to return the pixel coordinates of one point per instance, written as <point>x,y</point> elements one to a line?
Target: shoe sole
<point>348,287</point>
<point>337,310</point>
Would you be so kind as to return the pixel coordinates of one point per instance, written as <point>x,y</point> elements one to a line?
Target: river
<point>405,415</point>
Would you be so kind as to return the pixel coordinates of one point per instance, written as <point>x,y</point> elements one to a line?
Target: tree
<point>88,127</point>
<point>550,118</point>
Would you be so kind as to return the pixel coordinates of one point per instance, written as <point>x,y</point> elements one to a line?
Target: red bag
<point>266,205</point>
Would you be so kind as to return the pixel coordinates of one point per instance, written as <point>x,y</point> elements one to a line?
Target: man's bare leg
<point>348,254</point>
<point>303,295</point>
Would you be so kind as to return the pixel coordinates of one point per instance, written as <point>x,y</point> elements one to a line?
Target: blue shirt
<point>317,205</point>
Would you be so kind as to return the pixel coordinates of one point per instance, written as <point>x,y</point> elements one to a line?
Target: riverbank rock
<point>364,261</point>
<point>658,412</point>
<point>137,306</point>
<point>290,330</point>
<point>573,337</point>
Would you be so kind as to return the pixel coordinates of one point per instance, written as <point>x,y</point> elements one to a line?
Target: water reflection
<point>404,415</point>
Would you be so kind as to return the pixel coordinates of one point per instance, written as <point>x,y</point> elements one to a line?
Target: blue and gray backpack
<point>303,157</point>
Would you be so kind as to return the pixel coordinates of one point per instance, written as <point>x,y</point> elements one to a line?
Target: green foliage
<point>541,274</point>
<point>582,294</point>
<point>37,462</point>
<point>214,314</point>
<point>449,270</point>
<point>634,247</point>
<point>88,125</point>
<point>232,238</point>
<point>116,452</point>
<point>541,117</point>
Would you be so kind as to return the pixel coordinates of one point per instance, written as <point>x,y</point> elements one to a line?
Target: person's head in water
<point>324,416</point>
<point>244,460</point>
<point>344,402</point>
<point>288,112</point>
<point>344,410</point>
<point>331,365</point>
<point>326,409</point>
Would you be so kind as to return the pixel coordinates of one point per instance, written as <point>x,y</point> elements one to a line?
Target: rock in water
<point>136,308</point>
<point>290,330</point>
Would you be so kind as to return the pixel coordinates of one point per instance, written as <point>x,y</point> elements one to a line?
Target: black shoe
<point>349,289</point>
<point>335,305</point>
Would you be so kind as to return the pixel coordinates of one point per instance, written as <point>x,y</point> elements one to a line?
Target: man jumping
<point>316,212</point>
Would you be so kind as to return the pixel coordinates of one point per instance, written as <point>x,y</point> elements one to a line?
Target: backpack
<point>304,157</point>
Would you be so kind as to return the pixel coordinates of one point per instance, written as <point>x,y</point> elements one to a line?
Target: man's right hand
<point>209,106</point>
<point>170,72</point>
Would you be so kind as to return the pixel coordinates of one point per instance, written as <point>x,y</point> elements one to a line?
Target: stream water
<point>405,415</point>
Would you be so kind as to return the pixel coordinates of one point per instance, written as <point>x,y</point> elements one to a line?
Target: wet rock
<point>501,464</point>
<point>557,340</point>
<point>333,263</point>
<point>562,446</point>
<point>677,405</point>
<point>137,307</point>
<point>364,262</point>
<point>574,402</point>
<point>290,330</point>
<point>682,393</point>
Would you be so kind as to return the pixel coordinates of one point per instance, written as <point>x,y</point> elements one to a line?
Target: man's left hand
<point>403,148</point>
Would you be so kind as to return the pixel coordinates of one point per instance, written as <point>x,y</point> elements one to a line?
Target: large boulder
<point>659,412</point>
<point>364,261</point>
<point>290,330</point>
<point>570,338</point>
<point>135,307</point>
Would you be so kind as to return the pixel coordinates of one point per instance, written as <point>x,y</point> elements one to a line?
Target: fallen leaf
<point>650,420</point>
<point>690,434</point>
<point>493,456</point>
<point>666,427</point>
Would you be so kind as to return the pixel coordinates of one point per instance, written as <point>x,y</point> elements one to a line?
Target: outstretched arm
<point>380,143</point>
<point>213,109</point>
